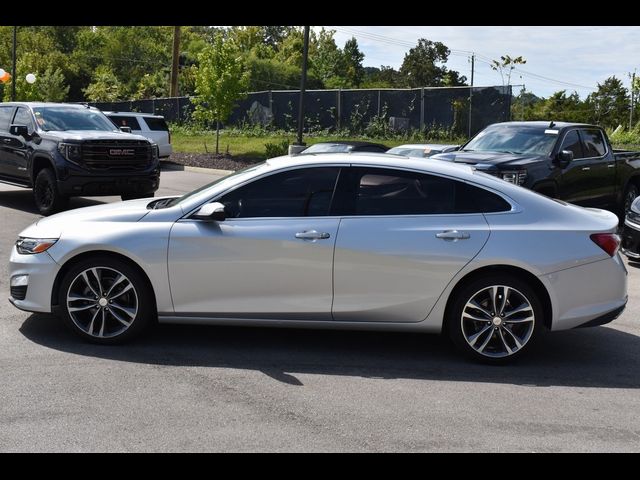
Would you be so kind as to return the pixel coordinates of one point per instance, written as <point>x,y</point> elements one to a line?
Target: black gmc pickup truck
<point>62,150</point>
<point>569,161</point>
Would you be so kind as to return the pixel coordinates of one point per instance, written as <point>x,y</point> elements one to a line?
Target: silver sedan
<point>371,242</point>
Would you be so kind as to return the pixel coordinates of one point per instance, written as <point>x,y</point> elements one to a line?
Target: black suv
<point>62,150</point>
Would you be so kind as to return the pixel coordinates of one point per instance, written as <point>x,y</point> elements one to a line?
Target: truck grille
<point>116,155</point>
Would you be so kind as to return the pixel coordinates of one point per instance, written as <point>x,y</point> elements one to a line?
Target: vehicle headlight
<point>71,151</point>
<point>516,177</point>
<point>155,152</point>
<point>30,246</point>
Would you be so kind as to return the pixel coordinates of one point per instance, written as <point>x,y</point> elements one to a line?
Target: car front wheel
<point>495,319</point>
<point>106,300</point>
<point>45,193</point>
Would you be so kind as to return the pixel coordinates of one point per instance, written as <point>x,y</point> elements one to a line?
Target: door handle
<point>453,235</point>
<point>586,168</point>
<point>611,165</point>
<point>312,235</point>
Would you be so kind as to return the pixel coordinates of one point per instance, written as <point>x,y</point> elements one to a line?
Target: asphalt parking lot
<point>241,389</point>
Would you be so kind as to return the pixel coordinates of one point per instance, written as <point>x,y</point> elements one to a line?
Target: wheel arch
<point>517,272</point>
<point>93,253</point>
<point>40,162</point>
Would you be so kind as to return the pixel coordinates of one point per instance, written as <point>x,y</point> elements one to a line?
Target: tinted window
<point>512,139</point>
<point>571,142</point>
<point>304,192</point>
<point>593,143</point>
<point>123,121</point>
<point>61,118</point>
<point>5,118</point>
<point>370,148</point>
<point>156,124</point>
<point>373,191</point>
<point>23,117</point>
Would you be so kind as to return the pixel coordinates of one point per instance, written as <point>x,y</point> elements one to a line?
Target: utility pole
<point>633,83</point>
<point>13,69</point>
<point>173,88</point>
<point>303,83</point>
<point>473,64</point>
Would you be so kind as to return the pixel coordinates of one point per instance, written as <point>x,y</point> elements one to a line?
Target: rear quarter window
<point>156,124</point>
<point>124,121</point>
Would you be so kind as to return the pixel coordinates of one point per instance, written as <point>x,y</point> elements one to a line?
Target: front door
<point>6,114</point>
<point>403,238</point>
<point>270,259</point>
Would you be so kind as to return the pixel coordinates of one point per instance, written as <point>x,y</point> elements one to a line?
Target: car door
<point>271,258</point>
<point>403,236</point>
<point>6,114</point>
<point>600,178</point>
<point>17,147</point>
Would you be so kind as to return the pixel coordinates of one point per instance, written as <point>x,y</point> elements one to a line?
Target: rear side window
<point>572,143</point>
<point>157,124</point>
<point>5,118</point>
<point>375,191</point>
<point>593,143</point>
<point>124,121</point>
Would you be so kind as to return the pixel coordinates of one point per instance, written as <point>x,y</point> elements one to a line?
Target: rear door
<point>403,236</point>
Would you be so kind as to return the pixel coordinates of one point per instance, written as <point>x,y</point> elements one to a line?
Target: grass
<point>252,147</point>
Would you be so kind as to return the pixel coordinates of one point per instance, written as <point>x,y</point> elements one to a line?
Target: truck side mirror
<point>125,129</point>
<point>19,130</point>
<point>564,158</point>
<point>211,212</point>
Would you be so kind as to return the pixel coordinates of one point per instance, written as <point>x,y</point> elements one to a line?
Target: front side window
<point>572,143</point>
<point>593,143</point>
<point>379,191</point>
<point>124,121</point>
<point>305,192</point>
<point>23,117</point>
<point>5,118</point>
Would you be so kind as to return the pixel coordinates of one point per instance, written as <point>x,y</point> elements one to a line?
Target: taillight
<point>609,242</point>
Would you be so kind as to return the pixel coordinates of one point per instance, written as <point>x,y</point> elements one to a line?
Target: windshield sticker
<point>551,132</point>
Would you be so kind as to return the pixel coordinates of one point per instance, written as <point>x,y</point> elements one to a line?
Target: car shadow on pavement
<point>23,200</point>
<point>600,357</point>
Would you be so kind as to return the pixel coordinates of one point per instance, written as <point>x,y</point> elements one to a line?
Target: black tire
<point>46,195</point>
<point>630,194</point>
<point>499,344</point>
<point>134,196</point>
<point>102,322</point>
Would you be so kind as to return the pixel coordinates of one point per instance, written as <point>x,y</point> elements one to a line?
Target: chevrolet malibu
<point>371,242</point>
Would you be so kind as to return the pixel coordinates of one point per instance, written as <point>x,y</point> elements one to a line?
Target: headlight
<point>516,177</point>
<point>30,246</point>
<point>71,151</point>
<point>155,152</point>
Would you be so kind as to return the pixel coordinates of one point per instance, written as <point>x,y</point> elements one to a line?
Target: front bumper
<point>42,271</point>
<point>631,240</point>
<point>94,185</point>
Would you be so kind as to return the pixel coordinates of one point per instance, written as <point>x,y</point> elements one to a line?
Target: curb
<point>186,168</point>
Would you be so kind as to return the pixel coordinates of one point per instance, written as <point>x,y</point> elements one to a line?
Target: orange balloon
<point>6,77</point>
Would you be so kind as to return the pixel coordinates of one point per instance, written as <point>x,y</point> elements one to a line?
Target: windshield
<point>61,118</point>
<point>516,139</point>
<point>233,176</point>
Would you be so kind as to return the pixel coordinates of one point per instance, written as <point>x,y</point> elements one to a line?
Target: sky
<point>575,58</point>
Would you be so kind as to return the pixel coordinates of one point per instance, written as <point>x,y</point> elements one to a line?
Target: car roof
<point>543,124</point>
<point>132,114</point>
<point>353,143</point>
<point>48,104</point>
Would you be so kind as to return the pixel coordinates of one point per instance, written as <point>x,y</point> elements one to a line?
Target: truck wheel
<point>630,195</point>
<point>46,195</point>
<point>133,196</point>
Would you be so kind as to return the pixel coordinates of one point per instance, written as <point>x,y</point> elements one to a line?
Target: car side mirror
<point>19,131</point>
<point>564,158</point>
<point>125,129</point>
<point>211,212</point>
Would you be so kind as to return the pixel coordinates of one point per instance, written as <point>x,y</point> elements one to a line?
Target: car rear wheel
<point>495,319</point>
<point>106,300</point>
<point>45,193</point>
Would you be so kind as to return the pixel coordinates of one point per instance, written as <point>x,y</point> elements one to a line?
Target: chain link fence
<point>447,108</point>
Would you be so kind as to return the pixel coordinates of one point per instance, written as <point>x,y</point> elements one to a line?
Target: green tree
<point>610,103</point>
<point>221,81</point>
<point>420,66</point>
<point>105,86</point>
<point>353,59</point>
<point>51,86</point>
<point>505,66</point>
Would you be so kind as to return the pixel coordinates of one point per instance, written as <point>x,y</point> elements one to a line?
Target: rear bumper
<point>165,150</point>
<point>89,185</point>
<point>587,293</point>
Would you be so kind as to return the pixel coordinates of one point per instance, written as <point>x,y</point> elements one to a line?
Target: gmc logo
<point>120,152</point>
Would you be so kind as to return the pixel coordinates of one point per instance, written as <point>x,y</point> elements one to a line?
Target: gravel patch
<point>209,160</point>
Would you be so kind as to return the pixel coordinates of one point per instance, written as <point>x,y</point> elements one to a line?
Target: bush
<point>277,149</point>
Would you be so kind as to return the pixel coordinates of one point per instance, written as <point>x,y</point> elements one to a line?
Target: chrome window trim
<point>578,129</point>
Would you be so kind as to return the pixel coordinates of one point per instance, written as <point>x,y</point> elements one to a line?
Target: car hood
<point>80,135</point>
<point>53,226</point>
<point>487,158</point>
